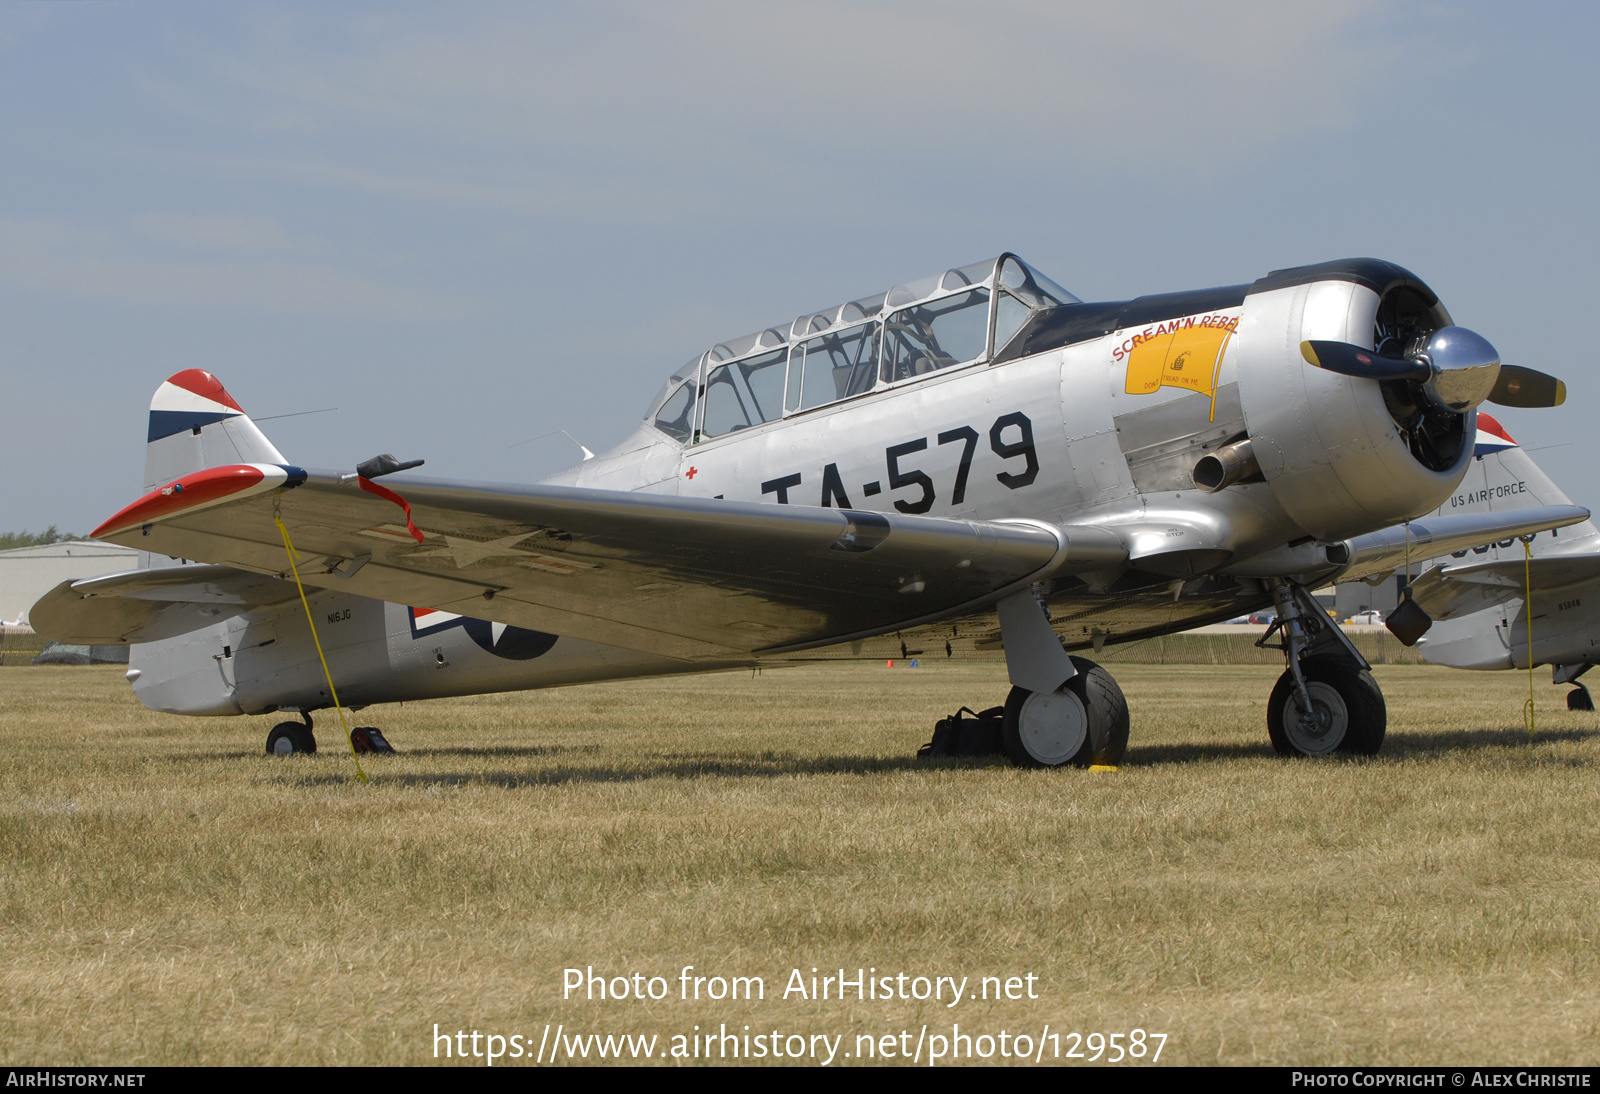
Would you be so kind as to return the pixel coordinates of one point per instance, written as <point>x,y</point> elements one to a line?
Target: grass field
<point>171,895</point>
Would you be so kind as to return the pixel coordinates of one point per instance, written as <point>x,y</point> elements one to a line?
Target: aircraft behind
<point>1479,598</point>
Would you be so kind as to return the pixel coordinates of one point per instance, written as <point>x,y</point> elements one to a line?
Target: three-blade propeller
<point>1457,368</point>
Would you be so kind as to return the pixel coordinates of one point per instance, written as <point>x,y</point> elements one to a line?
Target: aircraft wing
<point>1429,537</point>
<point>699,579</point>
<point>149,605</point>
<point>1453,590</point>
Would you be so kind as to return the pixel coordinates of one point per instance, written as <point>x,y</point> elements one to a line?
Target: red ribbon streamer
<point>389,495</point>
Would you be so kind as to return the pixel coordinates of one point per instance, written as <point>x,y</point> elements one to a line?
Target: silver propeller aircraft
<point>1490,601</point>
<point>974,462</point>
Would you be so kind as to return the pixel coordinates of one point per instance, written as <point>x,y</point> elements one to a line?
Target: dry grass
<point>170,895</point>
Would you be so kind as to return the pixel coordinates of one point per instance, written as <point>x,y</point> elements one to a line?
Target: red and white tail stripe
<point>1492,436</point>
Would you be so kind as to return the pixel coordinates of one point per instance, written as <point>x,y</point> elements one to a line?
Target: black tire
<point>296,736</point>
<point>1105,714</point>
<point>359,739</point>
<point>1580,699</point>
<point>1352,716</point>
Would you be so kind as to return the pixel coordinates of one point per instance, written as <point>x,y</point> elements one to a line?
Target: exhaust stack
<point>1229,464</point>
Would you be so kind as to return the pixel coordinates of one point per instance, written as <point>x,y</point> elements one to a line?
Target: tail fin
<point>195,424</point>
<point>1504,477</point>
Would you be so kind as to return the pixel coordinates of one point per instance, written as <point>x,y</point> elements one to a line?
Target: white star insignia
<point>466,552</point>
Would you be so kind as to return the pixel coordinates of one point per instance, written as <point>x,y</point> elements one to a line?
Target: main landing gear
<point>1061,711</point>
<point>1326,701</point>
<point>1083,722</point>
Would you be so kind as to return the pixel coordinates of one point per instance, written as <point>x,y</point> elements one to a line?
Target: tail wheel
<point>1348,711</point>
<point>1083,722</point>
<point>288,738</point>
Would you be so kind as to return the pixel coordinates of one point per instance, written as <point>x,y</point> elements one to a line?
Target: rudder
<point>1504,477</point>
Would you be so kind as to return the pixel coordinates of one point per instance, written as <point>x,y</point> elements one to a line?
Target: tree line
<point>8,540</point>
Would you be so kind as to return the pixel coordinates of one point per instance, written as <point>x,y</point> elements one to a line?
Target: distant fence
<point>19,647</point>
<point>1240,649</point>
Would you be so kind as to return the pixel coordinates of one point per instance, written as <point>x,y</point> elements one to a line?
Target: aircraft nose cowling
<point>1345,453</point>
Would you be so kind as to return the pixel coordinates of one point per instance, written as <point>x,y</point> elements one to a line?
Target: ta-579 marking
<point>901,477</point>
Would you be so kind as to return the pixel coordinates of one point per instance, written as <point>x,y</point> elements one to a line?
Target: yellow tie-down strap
<point>288,547</point>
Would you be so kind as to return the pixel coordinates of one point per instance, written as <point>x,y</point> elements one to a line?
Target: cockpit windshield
<point>673,409</point>
<point>960,317</point>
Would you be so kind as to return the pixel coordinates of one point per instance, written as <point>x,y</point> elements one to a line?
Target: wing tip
<point>200,490</point>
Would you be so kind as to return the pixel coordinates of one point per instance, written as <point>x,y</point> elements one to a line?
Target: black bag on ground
<point>368,739</point>
<point>957,735</point>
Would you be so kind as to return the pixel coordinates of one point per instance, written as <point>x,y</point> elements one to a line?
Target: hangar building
<point>27,573</point>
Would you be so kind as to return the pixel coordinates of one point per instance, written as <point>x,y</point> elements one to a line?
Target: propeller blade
<point>1518,386</point>
<point>1350,360</point>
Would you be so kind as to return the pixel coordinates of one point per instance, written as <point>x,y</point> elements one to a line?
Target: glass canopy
<point>960,317</point>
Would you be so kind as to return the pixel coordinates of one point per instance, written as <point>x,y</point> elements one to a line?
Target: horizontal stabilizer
<point>149,605</point>
<point>1455,590</point>
<point>1429,537</point>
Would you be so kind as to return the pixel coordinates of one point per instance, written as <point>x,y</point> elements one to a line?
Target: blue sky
<point>466,225</point>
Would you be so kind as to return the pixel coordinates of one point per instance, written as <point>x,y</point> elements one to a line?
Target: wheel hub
<point>1053,727</point>
<point>1321,729</point>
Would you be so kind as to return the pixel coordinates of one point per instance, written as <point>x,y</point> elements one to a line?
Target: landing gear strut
<point>288,738</point>
<point>1326,701</point>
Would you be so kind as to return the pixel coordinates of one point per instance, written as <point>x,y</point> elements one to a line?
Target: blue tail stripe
<point>164,423</point>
